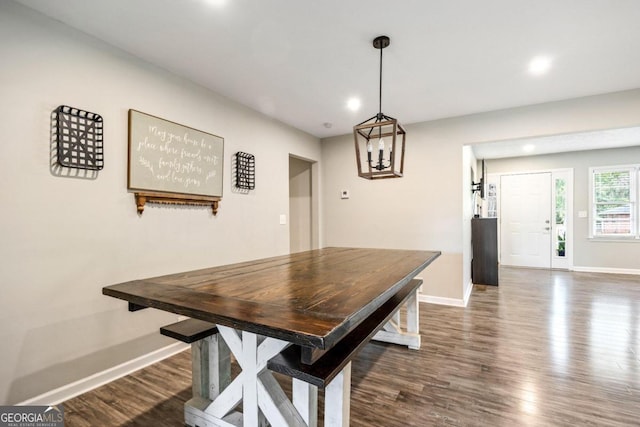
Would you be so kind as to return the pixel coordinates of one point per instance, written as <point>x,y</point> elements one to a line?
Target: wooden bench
<point>333,361</point>
<point>189,330</point>
<point>336,362</point>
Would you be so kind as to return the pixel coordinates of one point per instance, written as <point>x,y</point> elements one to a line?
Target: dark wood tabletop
<point>309,298</point>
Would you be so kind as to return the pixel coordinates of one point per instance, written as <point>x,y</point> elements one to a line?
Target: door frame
<point>565,263</point>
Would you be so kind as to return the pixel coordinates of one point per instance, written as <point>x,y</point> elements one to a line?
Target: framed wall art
<point>173,163</point>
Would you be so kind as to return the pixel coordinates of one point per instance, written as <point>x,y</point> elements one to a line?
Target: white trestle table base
<point>264,403</point>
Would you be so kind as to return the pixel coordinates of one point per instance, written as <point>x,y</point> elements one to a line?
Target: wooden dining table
<point>311,300</point>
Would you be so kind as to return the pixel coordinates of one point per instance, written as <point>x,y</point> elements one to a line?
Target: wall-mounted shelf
<point>143,198</point>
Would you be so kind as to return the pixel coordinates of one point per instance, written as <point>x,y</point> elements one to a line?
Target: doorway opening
<point>535,211</point>
<point>302,228</point>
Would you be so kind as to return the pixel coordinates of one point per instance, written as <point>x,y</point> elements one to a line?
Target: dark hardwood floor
<point>546,348</point>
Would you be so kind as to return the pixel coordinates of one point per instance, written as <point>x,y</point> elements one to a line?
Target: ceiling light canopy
<point>373,130</point>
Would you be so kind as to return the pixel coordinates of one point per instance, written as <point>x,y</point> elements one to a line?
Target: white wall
<point>63,239</point>
<point>423,210</point>
<point>589,253</point>
<point>469,174</point>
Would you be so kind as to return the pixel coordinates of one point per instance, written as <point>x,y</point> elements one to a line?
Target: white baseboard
<point>91,382</point>
<point>454,302</point>
<point>606,270</point>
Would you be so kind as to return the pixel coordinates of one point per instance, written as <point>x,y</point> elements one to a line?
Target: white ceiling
<point>299,61</point>
<point>623,137</point>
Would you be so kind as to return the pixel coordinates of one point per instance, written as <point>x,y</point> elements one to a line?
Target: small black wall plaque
<point>78,136</point>
<point>245,171</point>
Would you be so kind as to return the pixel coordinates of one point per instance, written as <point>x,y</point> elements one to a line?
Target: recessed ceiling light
<point>216,3</point>
<point>539,65</point>
<point>528,148</point>
<point>353,104</point>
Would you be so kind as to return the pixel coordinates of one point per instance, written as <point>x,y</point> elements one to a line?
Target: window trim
<point>634,198</point>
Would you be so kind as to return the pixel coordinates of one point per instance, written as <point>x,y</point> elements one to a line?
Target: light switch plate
<point>344,194</point>
<point>582,214</point>
<point>283,219</point>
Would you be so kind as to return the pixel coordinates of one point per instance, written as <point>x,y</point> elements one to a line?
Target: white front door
<point>525,238</point>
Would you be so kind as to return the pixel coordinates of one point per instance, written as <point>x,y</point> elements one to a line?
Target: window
<point>560,198</point>
<point>614,210</point>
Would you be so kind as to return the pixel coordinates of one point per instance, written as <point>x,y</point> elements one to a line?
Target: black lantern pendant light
<point>383,158</point>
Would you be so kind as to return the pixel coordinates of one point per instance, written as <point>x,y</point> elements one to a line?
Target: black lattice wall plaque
<point>245,171</point>
<point>78,136</point>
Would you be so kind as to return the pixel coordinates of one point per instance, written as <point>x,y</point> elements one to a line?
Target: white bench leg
<point>392,333</point>
<point>337,398</point>
<point>396,318</point>
<point>305,399</point>
<point>210,376</point>
<point>211,364</point>
<point>413,320</point>
<point>210,370</point>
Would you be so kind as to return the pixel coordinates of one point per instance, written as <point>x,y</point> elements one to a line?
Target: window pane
<point>612,186</point>
<point>561,202</point>
<point>613,219</point>
<point>561,238</point>
<point>613,202</point>
<point>561,214</point>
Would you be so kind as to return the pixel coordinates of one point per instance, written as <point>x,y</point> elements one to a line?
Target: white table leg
<point>337,399</point>
<point>263,400</point>
<point>250,385</point>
